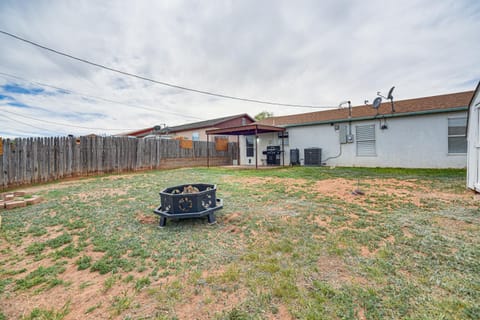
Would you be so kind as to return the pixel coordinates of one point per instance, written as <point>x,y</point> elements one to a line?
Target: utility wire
<point>66,124</point>
<point>219,95</point>
<point>98,98</point>
<point>27,124</point>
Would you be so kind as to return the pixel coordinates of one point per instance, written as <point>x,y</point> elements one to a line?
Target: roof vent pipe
<point>349,107</point>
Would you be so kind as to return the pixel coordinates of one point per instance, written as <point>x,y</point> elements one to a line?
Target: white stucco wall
<point>409,142</point>
<point>473,138</point>
<point>264,140</point>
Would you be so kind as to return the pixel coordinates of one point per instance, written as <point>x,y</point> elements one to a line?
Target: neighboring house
<point>473,138</point>
<point>425,132</point>
<point>194,131</point>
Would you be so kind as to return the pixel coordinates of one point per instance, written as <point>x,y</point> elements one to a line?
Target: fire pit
<point>188,201</point>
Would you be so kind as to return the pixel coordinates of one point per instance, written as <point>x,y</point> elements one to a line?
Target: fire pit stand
<point>188,201</point>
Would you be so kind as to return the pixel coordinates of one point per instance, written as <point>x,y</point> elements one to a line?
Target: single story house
<point>194,131</point>
<point>426,132</point>
<point>473,138</point>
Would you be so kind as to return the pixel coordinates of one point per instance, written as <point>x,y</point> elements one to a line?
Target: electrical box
<point>345,135</point>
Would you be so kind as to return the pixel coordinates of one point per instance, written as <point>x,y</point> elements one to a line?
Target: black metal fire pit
<point>188,201</point>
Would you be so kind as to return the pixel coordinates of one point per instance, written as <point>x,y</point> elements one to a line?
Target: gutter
<point>390,115</point>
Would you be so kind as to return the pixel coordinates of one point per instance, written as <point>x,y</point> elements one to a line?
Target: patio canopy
<point>246,130</point>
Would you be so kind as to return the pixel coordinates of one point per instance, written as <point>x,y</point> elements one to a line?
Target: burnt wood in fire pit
<point>188,201</point>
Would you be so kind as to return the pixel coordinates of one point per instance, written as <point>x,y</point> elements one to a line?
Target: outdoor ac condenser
<point>313,156</point>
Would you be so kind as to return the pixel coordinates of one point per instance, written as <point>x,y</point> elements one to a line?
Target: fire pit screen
<point>188,201</point>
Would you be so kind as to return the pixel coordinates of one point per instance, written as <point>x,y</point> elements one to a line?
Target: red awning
<point>246,130</point>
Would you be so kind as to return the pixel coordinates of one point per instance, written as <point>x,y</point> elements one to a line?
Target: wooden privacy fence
<point>33,160</point>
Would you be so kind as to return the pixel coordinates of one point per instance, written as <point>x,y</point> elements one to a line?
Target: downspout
<point>349,120</point>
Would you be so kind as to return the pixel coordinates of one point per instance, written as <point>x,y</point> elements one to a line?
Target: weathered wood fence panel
<point>33,160</point>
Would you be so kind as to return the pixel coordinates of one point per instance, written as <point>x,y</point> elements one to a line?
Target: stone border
<point>17,199</point>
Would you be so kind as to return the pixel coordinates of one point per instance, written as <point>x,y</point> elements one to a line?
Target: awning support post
<point>256,147</point>
<point>208,151</point>
<point>238,150</point>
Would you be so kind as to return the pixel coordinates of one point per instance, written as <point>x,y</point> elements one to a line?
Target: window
<point>366,141</point>
<point>457,137</point>
<point>283,134</point>
<point>249,142</point>
<point>196,136</point>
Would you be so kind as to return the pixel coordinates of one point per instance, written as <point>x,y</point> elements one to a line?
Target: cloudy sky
<point>295,52</point>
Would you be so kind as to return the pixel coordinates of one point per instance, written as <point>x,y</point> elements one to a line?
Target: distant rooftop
<point>212,123</point>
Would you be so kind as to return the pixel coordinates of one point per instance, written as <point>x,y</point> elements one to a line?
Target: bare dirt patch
<point>454,226</point>
<point>146,219</point>
<point>282,313</point>
<point>373,192</point>
<point>207,303</point>
<point>333,270</point>
<point>292,185</point>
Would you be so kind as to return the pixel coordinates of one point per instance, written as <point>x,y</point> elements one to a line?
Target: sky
<point>315,53</point>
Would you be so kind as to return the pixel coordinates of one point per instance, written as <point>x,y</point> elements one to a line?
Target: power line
<point>98,98</point>
<point>219,95</point>
<point>27,124</point>
<point>66,124</point>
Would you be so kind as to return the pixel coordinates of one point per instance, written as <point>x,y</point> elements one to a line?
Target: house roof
<point>205,124</point>
<point>189,126</point>
<point>434,104</point>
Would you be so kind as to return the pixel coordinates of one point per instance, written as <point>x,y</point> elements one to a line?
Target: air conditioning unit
<point>313,156</point>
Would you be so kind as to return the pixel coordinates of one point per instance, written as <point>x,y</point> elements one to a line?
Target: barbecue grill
<point>273,155</point>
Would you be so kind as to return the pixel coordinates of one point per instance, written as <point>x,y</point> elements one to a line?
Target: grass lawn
<point>289,243</point>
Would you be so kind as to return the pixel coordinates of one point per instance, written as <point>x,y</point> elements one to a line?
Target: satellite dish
<point>389,96</point>
<point>377,102</point>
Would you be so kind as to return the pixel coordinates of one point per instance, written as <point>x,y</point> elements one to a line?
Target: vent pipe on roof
<point>349,107</point>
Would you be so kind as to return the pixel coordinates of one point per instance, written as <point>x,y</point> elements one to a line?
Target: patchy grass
<point>289,243</point>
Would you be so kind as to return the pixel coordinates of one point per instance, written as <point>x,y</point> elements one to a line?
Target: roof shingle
<point>440,102</point>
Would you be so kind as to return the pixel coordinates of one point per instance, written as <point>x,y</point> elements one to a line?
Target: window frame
<point>250,147</point>
<point>456,136</point>
<point>196,136</point>
<point>360,141</point>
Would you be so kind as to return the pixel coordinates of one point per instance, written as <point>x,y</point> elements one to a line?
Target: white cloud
<point>302,52</point>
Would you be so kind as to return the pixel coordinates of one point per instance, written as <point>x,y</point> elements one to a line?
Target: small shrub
<point>59,241</point>
<point>83,263</point>
<point>142,283</point>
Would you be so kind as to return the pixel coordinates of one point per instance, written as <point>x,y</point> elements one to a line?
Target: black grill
<point>273,155</point>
